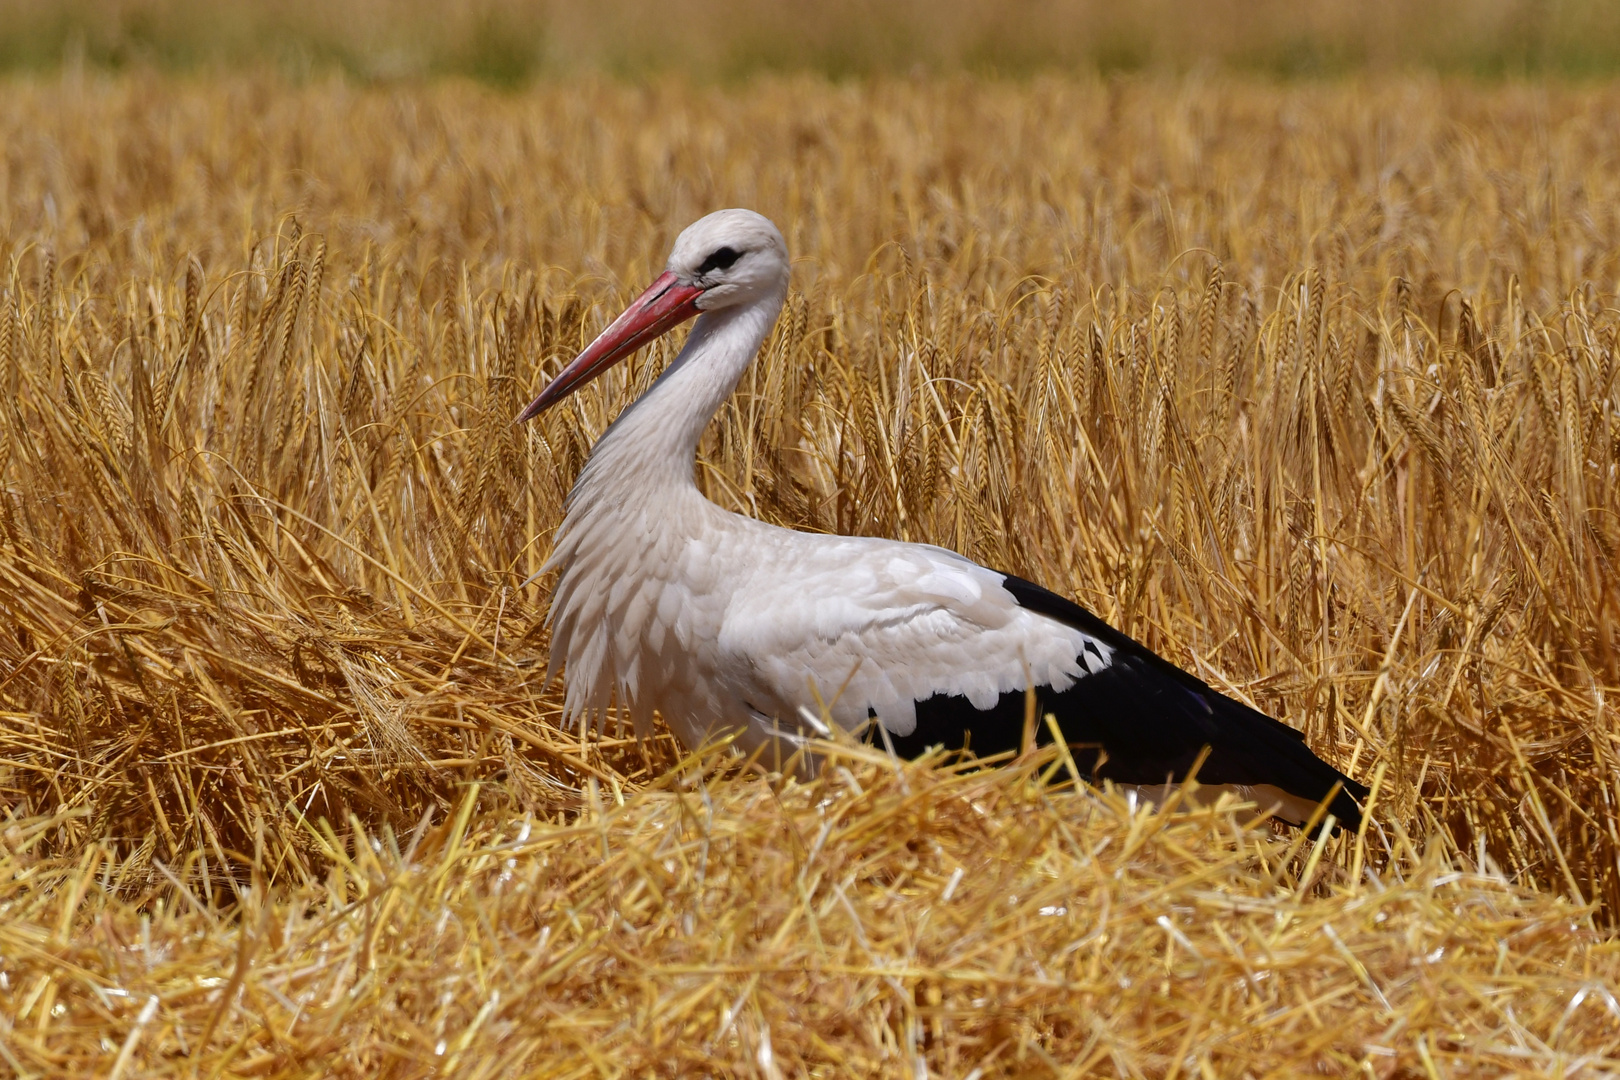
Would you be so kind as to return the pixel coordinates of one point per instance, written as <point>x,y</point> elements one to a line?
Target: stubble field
<point>1312,388</point>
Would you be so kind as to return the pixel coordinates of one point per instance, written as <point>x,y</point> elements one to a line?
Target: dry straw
<point>881,921</point>
<point>1312,390</point>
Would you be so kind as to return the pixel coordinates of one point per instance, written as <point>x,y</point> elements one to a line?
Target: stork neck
<point>654,441</point>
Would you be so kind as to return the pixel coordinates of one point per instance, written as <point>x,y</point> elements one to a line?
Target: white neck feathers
<point>652,444</point>
<point>632,510</point>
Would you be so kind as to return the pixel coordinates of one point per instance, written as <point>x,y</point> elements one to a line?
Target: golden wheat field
<point>1311,387</point>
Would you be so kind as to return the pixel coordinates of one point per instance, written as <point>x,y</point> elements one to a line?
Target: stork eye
<point>720,259</point>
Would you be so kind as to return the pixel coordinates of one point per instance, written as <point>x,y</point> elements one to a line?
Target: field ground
<point>1312,388</point>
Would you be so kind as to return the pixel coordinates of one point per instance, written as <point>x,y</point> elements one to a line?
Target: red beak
<point>664,306</point>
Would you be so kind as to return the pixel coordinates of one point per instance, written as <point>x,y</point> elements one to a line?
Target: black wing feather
<point>1147,720</point>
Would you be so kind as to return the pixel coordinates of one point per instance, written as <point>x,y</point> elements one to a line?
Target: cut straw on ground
<point>878,921</point>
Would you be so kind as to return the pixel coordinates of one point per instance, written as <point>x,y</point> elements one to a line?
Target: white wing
<point>872,627</point>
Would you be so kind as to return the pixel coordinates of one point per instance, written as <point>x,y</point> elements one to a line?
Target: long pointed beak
<point>664,306</point>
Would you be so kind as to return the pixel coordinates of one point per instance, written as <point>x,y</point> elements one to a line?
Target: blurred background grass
<point>509,42</point>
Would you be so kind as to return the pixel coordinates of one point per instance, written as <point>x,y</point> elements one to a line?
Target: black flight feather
<point>1146,718</point>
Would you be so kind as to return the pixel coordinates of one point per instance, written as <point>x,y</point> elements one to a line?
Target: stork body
<point>727,625</point>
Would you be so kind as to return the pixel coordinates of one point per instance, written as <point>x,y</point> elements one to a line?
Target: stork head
<point>733,256</point>
<point>728,258</point>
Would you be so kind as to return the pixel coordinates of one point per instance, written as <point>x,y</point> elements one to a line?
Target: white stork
<point>727,625</point>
